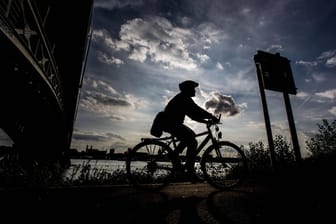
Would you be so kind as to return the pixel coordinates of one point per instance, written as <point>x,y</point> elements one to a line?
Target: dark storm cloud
<point>109,100</point>
<point>88,137</point>
<point>97,137</point>
<point>222,104</point>
<point>112,4</point>
<point>101,97</point>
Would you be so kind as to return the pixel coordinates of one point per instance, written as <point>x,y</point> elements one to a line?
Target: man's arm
<point>197,113</point>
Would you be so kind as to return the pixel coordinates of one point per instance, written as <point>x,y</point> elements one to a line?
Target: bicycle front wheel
<point>224,165</point>
<point>149,165</point>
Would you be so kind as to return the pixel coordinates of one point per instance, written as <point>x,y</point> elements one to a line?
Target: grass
<point>12,174</point>
<point>86,174</point>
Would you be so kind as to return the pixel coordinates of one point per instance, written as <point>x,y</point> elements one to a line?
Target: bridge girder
<point>41,72</point>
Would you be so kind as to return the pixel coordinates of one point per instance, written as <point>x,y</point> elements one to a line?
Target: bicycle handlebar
<point>211,122</point>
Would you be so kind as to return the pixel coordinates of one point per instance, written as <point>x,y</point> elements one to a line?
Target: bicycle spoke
<point>224,166</point>
<point>151,149</point>
<point>149,165</point>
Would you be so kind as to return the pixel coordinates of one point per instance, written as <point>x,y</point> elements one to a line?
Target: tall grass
<point>13,174</point>
<point>86,174</point>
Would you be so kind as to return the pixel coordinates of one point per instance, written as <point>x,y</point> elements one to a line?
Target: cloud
<point>327,58</point>
<point>219,66</point>
<point>331,62</point>
<point>330,94</point>
<point>333,110</point>
<point>155,39</point>
<point>275,47</point>
<point>112,4</point>
<point>99,86</point>
<point>100,97</point>
<point>307,63</point>
<point>104,58</point>
<point>302,94</point>
<point>107,100</point>
<point>327,54</point>
<point>319,77</point>
<point>103,105</point>
<point>104,101</point>
<point>203,57</point>
<point>223,104</point>
<point>96,137</point>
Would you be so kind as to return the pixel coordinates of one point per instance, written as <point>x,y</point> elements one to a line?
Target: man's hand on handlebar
<point>214,120</point>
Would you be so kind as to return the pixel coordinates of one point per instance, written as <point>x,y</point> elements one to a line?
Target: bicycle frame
<point>172,140</point>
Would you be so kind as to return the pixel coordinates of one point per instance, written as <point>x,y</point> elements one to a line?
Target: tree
<point>325,141</point>
<point>284,153</point>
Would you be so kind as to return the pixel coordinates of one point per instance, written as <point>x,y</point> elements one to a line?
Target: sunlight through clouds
<point>141,50</point>
<point>156,39</point>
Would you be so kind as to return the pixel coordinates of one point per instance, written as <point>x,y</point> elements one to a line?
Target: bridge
<point>43,48</point>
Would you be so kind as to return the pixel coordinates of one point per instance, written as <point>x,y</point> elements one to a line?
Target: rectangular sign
<point>276,72</point>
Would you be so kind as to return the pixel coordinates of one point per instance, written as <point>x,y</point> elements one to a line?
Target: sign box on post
<point>276,72</point>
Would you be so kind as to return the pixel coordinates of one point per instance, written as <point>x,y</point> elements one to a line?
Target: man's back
<point>180,106</point>
<point>177,108</point>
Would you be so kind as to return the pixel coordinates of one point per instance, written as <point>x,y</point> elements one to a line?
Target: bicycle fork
<point>219,154</point>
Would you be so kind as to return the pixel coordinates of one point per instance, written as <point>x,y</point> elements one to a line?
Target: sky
<point>142,49</point>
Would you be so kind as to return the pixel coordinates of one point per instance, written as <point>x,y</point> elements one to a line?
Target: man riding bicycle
<point>175,111</point>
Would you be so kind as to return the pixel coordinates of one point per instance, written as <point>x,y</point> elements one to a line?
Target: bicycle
<point>152,164</point>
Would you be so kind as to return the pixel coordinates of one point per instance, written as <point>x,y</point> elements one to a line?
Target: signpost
<point>274,73</point>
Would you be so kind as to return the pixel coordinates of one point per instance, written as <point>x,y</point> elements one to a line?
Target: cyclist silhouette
<point>175,111</point>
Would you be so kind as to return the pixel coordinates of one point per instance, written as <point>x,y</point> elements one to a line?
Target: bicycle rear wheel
<point>149,165</point>
<point>225,166</point>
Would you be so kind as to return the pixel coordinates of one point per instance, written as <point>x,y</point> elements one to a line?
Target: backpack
<point>158,123</point>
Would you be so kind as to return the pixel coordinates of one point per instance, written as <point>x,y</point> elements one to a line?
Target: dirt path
<point>178,203</point>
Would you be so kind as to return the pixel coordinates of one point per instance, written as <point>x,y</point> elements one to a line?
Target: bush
<point>259,156</point>
<point>325,141</point>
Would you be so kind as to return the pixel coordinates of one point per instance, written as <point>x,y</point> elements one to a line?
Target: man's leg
<point>180,147</point>
<point>187,138</point>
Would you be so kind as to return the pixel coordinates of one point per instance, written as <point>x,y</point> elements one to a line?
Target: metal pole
<point>267,119</point>
<point>292,128</point>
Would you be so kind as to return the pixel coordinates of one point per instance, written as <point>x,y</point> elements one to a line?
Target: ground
<point>301,195</point>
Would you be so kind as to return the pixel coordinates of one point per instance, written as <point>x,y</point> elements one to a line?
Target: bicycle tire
<point>226,167</point>
<point>149,166</point>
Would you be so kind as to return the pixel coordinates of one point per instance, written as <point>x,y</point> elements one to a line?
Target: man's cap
<point>188,84</point>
